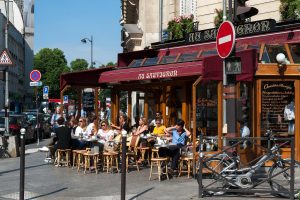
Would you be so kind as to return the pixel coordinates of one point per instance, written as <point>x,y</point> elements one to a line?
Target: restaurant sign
<point>241,30</point>
<point>155,75</point>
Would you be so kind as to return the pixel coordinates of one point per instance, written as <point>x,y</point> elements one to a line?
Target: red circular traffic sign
<point>35,75</point>
<point>225,39</point>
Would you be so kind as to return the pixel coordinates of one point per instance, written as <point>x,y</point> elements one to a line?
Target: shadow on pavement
<point>49,193</point>
<point>140,194</point>
<point>18,169</point>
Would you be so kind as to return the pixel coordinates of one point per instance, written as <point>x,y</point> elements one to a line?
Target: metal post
<point>292,169</point>
<point>200,184</point>
<point>224,75</point>
<point>123,177</point>
<point>6,71</point>
<point>37,116</point>
<point>22,164</point>
<point>92,62</point>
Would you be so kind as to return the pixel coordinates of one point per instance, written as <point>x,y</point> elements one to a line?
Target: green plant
<point>219,18</point>
<point>179,26</point>
<point>289,9</point>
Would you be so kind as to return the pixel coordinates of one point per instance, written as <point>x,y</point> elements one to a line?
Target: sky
<point>63,23</point>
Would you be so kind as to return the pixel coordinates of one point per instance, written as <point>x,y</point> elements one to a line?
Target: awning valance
<point>87,78</point>
<point>214,66</point>
<point>152,72</point>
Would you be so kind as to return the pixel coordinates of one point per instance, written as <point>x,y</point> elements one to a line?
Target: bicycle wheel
<point>212,169</point>
<point>281,182</point>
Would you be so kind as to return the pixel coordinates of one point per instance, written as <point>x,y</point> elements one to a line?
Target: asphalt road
<point>45,181</point>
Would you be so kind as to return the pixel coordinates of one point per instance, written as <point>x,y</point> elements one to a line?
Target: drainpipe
<point>160,19</point>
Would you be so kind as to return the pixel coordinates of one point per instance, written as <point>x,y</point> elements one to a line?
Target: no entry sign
<point>225,39</point>
<point>35,75</point>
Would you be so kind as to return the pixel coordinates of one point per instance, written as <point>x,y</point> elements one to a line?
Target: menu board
<point>275,95</point>
<point>88,101</point>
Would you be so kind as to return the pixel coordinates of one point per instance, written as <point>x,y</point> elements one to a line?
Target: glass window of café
<point>207,114</point>
<point>278,109</point>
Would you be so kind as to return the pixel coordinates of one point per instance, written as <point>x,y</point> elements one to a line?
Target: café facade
<point>184,79</point>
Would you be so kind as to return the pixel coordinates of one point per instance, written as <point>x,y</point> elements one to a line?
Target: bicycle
<point>226,170</point>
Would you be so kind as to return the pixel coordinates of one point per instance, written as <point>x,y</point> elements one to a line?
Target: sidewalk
<point>45,181</point>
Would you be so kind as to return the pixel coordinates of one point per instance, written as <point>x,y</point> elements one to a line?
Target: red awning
<point>86,78</point>
<point>214,66</point>
<point>152,72</point>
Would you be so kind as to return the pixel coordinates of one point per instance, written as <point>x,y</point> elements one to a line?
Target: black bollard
<point>123,170</point>
<point>22,164</point>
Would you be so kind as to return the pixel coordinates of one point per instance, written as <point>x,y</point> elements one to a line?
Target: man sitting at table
<point>178,133</point>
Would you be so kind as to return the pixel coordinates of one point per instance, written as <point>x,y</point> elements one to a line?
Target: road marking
<point>225,39</point>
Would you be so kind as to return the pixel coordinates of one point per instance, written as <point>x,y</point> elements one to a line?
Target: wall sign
<point>251,28</point>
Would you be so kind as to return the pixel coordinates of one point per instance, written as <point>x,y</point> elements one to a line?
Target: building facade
<point>16,48</point>
<point>145,21</point>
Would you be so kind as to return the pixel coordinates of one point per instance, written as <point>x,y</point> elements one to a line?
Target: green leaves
<point>179,26</point>
<point>79,64</point>
<point>51,63</point>
<point>289,9</point>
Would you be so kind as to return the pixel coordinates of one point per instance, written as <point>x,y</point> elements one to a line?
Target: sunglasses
<point>103,124</point>
<point>80,121</point>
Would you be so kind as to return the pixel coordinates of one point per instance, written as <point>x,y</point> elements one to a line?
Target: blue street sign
<point>46,90</point>
<point>66,99</point>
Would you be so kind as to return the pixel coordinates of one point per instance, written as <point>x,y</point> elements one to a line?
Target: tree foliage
<point>51,63</point>
<point>79,65</point>
<point>290,9</point>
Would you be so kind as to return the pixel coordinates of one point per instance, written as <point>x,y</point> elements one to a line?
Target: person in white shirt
<point>91,128</point>
<point>106,136</point>
<point>81,129</point>
<point>105,133</point>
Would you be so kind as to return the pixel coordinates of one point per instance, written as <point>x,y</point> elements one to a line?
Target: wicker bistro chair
<point>63,157</point>
<point>132,153</point>
<point>185,160</point>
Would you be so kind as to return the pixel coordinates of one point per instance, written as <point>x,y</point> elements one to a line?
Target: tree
<point>51,63</point>
<point>179,26</point>
<point>290,9</point>
<point>79,65</point>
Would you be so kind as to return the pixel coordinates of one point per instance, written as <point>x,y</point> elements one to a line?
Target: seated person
<point>157,115</point>
<point>91,128</point>
<point>105,134</point>
<point>143,127</point>
<point>123,121</point>
<point>179,134</point>
<point>159,128</point>
<point>81,130</point>
<point>62,136</point>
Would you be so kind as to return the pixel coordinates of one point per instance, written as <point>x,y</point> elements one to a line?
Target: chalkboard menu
<point>88,101</point>
<point>275,95</point>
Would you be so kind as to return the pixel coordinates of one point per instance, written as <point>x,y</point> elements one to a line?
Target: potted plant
<point>179,26</point>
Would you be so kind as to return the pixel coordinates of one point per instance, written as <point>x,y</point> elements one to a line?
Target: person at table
<point>91,128</point>
<point>81,129</point>
<point>159,129</point>
<point>57,114</point>
<point>157,115</point>
<point>178,133</point>
<point>62,135</point>
<point>143,127</point>
<point>105,134</point>
<point>123,124</point>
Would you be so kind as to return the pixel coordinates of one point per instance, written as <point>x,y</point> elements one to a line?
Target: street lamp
<point>85,40</point>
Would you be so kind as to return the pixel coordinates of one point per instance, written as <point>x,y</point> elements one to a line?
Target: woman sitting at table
<point>91,128</point>
<point>143,127</point>
<point>105,133</point>
<point>80,132</point>
<point>159,129</point>
<point>123,121</point>
<point>179,134</point>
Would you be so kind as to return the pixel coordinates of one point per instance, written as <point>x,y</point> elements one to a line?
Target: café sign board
<point>251,28</point>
